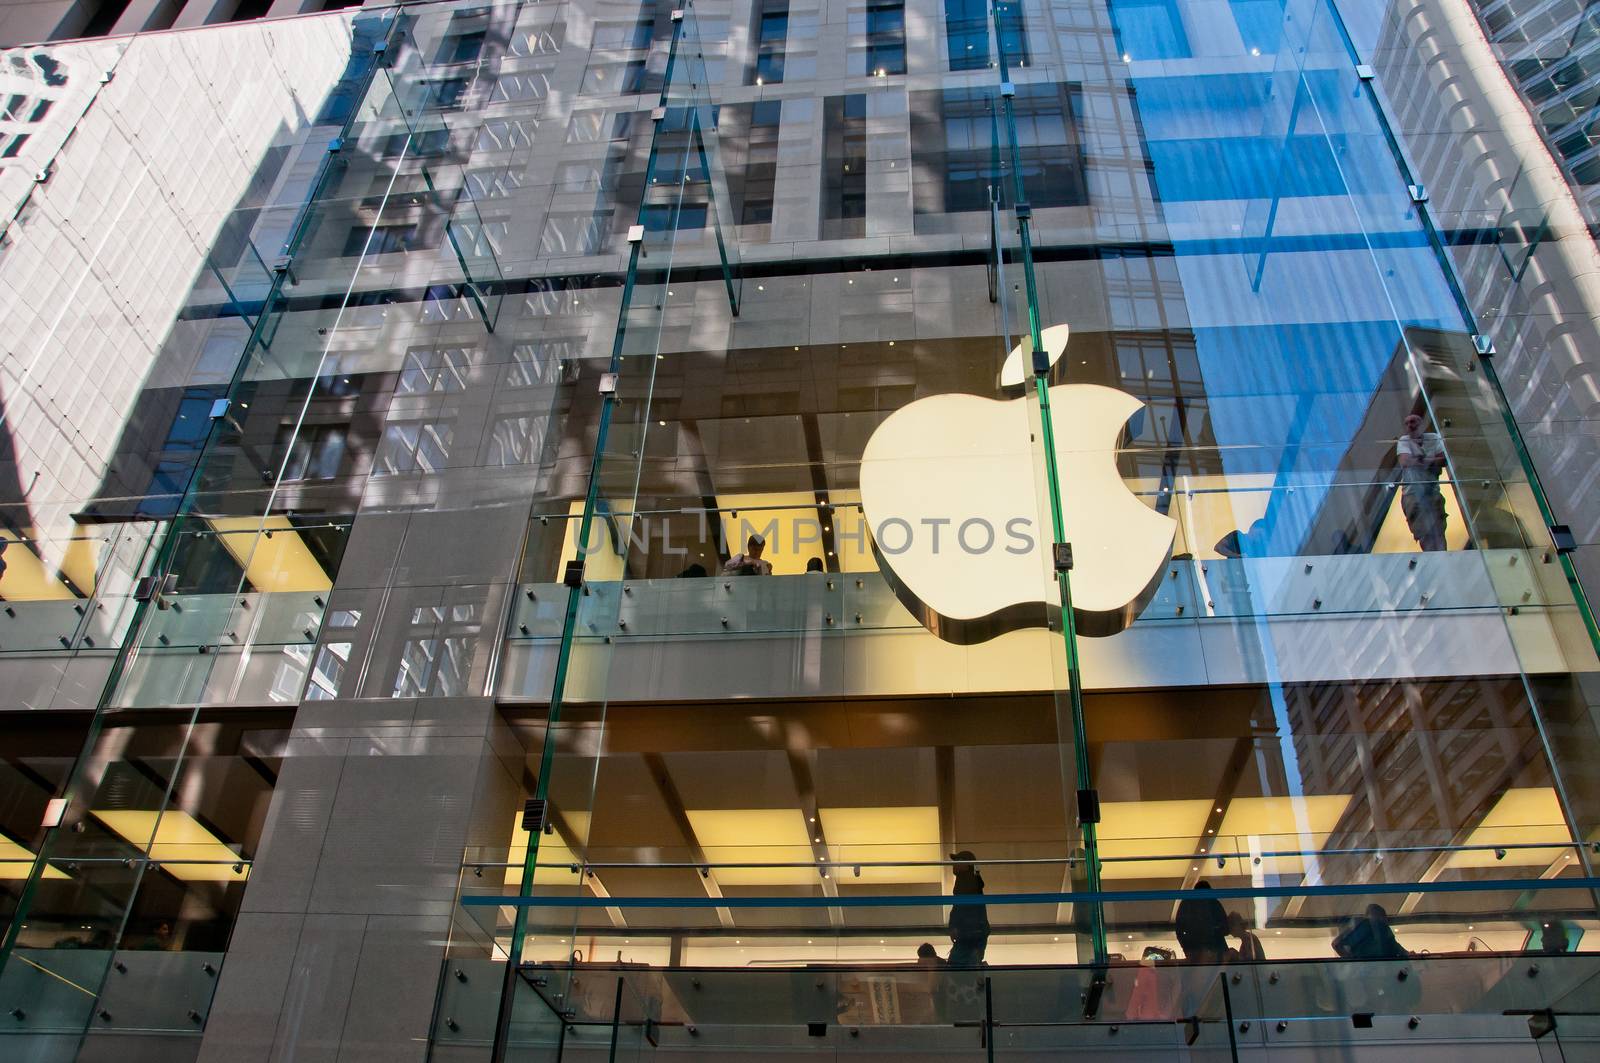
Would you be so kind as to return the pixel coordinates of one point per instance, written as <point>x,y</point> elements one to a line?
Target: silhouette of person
<point>969,923</point>
<point>694,571</point>
<point>928,956</point>
<point>1370,938</point>
<point>814,565</point>
<point>1421,457</point>
<point>1249,950</point>
<point>749,563</point>
<point>1553,938</point>
<point>1202,927</point>
<point>1252,543</point>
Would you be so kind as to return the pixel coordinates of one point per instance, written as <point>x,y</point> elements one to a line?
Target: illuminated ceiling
<point>271,552</point>
<point>185,849</point>
<point>1523,816</point>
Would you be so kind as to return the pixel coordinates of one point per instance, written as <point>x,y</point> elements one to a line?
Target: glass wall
<point>939,486</point>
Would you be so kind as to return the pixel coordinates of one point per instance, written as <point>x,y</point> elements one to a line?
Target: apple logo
<point>953,494</point>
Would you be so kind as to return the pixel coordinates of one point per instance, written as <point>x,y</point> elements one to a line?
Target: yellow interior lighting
<point>25,578</point>
<point>1278,824</point>
<point>16,861</point>
<point>608,543</point>
<point>555,857</point>
<point>272,563</point>
<point>784,517</point>
<point>176,839</point>
<point>1523,816</point>
<point>876,835</point>
<point>1149,828</point>
<point>80,561</point>
<point>850,536</point>
<point>755,836</point>
<point>1394,535</point>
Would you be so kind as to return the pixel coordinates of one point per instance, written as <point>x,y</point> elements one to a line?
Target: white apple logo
<point>954,496</point>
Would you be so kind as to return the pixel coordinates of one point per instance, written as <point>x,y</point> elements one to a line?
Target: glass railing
<point>1274,896</point>
<point>875,988</point>
<point>237,648</point>
<point>60,991</point>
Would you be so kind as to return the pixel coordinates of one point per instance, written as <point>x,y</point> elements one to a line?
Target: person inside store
<point>928,956</point>
<point>814,565</point>
<point>1552,938</point>
<point>1202,927</point>
<point>969,923</point>
<point>1421,458</point>
<point>749,563</point>
<point>1252,543</point>
<point>1249,950</point>
<point>1369,937</point>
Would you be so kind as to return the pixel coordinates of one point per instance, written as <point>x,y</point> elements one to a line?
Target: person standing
<point>969,923</point>
<point>1421,457</point>
<point>1202,927</point>
<point>749,563</point>
<point>1249,950</point>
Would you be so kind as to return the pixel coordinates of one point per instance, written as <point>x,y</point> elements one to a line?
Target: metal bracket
<point>55,811</point>
<point>608,384</point>
<point>1062,555</point>
<point>1365,72</point>
<point>635,234</point>
<point>1089,806</point>
<point>573,575</point>
<point>1007,89</point>
<point>1484,345</point>
<point>1562,539</point>
<point>219,409</point>
<point>535,814</point>
<point>1419,193</point>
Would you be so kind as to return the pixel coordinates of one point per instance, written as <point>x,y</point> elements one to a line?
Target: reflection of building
<point>434,318</point>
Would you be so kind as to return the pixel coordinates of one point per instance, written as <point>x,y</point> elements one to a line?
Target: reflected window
<point>428,369</point>
<point>886,37</point>
<point>954,147</point>
<point>314,452</point>
<point>844,167</point>
<point>506,134</point>
<point>967,24</point>
<point>624,35</point>
<point>417,446</point>
<point>516,440</point>
<point>517,87</point>
<point>1150,29</point>
<point>771,34</point>
<point>540,362</point>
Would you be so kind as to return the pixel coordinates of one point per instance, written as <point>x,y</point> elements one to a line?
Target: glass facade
<point>919,529</point>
